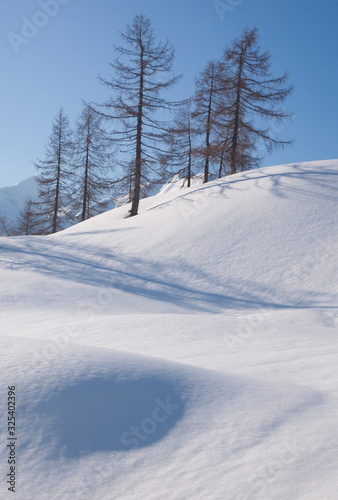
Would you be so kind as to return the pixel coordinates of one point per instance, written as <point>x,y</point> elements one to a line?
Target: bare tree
<point>28,221</point>
<point>140,77</point>
<point>92,185</point>
<point>223,151</point>
<point>209,107</point>
<point>180,140</point>
<point>54,171</point>
<point>247,158</point>
<point>6,228</point>
<point>252,94</point>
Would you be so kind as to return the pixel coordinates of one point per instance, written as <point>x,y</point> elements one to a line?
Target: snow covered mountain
<point>12,199</point>
<point>187,353</point>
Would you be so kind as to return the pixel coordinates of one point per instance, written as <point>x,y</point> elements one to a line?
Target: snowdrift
<point>186,353</point>
<point>93,406</point>
<point>264,238</point>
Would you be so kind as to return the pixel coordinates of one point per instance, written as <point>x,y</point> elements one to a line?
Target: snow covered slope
<point>12,199</point>
<point>186,353</point>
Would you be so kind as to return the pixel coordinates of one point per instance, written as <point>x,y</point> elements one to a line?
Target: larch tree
<point>54,174</point>
<point>253,95</point>
<point>28,222</point>
<point>246,152</point>
<point>6,228</point>
<point>142,71</point>
<point>223,152</point>
<point>92,165</point>
<point>208,97</point>
<point>180,141</point>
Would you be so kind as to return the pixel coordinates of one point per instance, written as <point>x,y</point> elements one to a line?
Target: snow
<point>12,198</point>
<point>186,353</point>
<point>179,182</point>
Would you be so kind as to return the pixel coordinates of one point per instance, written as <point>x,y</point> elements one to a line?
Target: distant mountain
<point>12,198</point>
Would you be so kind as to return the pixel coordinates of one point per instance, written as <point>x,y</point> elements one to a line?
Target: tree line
<point>139,136</point>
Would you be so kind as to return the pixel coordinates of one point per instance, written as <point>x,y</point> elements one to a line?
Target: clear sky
<point>58,63</point>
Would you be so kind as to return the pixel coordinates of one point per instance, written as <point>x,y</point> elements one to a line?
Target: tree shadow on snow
<point>158,281</point>
<point>173,281</point>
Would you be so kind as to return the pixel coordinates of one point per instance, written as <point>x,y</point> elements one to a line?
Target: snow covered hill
<point>12,199</point>
<point>186,353</point>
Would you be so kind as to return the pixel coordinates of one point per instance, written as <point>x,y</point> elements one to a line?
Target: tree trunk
<point>207,140</point>
<point>190,154</point>
<point>221,163</point>
<point>138,159</point>
<point>57,190</point>
<point>233,152</point>
<point>85,187</point>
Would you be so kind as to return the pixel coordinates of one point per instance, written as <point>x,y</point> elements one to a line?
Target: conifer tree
<point>5,226</point>
<point>253,94</point>
<point>180,140</point>
<point>28,221</point>
<point>54,175</point>
<point>92,185</point>
<point>207,112</point>
<point>140,77</point>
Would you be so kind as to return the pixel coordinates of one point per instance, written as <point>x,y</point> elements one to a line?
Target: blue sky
<point>59,64</point>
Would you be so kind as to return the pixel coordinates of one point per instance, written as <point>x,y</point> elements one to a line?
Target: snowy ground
<point>187,353</point>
